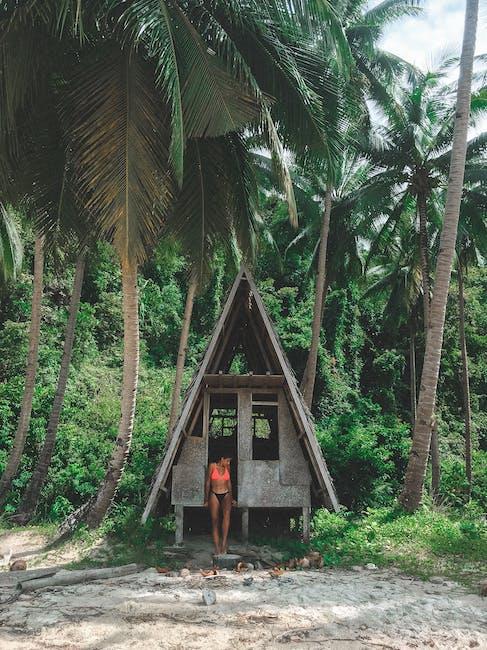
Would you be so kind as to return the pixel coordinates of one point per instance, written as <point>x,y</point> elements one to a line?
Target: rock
<point>250,566</point>
<point>483,587</point>
<point>357,568</point>
<point>227,560</point>
<point>248,581</point>
<point>185,573</point>
<point>371,567</point>
<point>304,563</point>
<point>18,565</point>
<point>208,596</point>
<point>259,565</point>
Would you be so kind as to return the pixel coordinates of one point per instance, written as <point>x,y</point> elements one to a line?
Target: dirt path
<point>306,609</point>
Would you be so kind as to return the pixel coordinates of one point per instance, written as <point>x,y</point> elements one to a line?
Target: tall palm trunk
<point>107,491</point>
<point>32,493</point>
<point>183,346</point>
<point>309,376</point>
<point>425,277</point>
<point>414,480</point>
<point>424,258</point>
<point>465,376</point>
<point>30,373</point>
<point>412,368</point>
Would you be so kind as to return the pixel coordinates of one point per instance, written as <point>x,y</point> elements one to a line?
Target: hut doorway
<point>223,432</point>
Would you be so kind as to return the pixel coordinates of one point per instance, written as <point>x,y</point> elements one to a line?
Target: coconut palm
<point>32,493</point>
<point>411,494</point>
<point>145,60</point>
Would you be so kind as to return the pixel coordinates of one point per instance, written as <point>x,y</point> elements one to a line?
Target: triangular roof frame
<point>300,409</point>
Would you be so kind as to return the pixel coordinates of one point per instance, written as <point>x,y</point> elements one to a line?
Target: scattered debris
<point>163,569</point>
<point>208,596</point>
<point>185,573</point>
<point>206,573</point>
<point>18,565</point>
<point>248,581</point>
<point>276,572</point>
<point>371,567</point>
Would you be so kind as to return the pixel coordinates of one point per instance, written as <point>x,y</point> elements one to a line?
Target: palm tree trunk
<point>183,346</point>
<point>32,493</point>
<point>425,275</point>
<point>309,376</point>
<point>30,373</point>
<point>465,377</point>
<point>412,368</point>
<point>424,258</point>
<point>414,480</point>
<point>107,491</point>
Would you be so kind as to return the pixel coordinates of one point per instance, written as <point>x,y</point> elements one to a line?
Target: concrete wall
<point>283,483</point>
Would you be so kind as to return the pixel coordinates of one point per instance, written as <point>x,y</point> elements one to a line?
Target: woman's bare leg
<point>214,506</point>
<point>227,509</point>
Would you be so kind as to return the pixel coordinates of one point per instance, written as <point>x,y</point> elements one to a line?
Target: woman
<point>218,498</point>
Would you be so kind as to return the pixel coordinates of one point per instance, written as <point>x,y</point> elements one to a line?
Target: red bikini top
<point>216,476</point>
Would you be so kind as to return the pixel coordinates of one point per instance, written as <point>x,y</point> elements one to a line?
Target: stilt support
<point>179,512</point>
<point>245,524</point>
<point>306,524</point>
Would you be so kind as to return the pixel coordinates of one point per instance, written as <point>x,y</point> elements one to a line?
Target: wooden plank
<point>243,381</point>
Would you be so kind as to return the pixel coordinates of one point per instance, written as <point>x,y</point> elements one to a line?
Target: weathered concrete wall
<point>283,483</point>
<point>293,469</point>
<point>188,485</point>
<point>259,487</point>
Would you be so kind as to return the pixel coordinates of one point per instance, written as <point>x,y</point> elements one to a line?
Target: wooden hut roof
<point>244,317</point>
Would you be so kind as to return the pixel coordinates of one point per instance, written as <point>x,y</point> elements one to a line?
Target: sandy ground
<point>330,608</point>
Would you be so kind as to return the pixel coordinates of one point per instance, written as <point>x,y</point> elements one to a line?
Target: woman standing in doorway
<point>219,500</point>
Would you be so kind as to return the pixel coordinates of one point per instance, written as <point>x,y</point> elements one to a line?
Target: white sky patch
<point>438,28</point>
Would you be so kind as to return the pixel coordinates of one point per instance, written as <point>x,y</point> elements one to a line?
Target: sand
<point>301,609</point>
<point>330,608</point>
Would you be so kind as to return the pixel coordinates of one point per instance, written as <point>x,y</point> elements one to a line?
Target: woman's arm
<point>208,484</point>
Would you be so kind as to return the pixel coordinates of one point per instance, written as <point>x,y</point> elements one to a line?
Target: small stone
<point>371,567</point>
<point>18,565</point>
<point>208,596</point>
<point>357,568</point>
<point>185,573</point>
<point>250,566</point>
<point>247,581</point>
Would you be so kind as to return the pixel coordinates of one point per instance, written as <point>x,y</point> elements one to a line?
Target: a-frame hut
<point>257,418</point>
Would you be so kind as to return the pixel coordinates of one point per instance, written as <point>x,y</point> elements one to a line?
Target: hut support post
<point>179,512</point>
<point>245,524</point>
<point>306,524</point>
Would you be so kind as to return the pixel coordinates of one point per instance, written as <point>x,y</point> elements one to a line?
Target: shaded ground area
<point>331,608</point>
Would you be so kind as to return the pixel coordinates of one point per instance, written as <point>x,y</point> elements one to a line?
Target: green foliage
<point>425,543</point>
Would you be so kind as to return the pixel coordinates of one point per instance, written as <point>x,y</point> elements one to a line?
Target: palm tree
<point>31,495</point>
<point>411,494</point>
<point>148,59</point>
<point>412,155</point>
<point>371,77</point>
<point>30,373</point>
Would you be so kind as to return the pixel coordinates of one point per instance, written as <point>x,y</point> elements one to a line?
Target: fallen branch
<point>76,577</point>
<point>12,578</point>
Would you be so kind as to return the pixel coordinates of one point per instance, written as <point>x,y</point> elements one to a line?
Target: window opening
<point>265,428</point>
